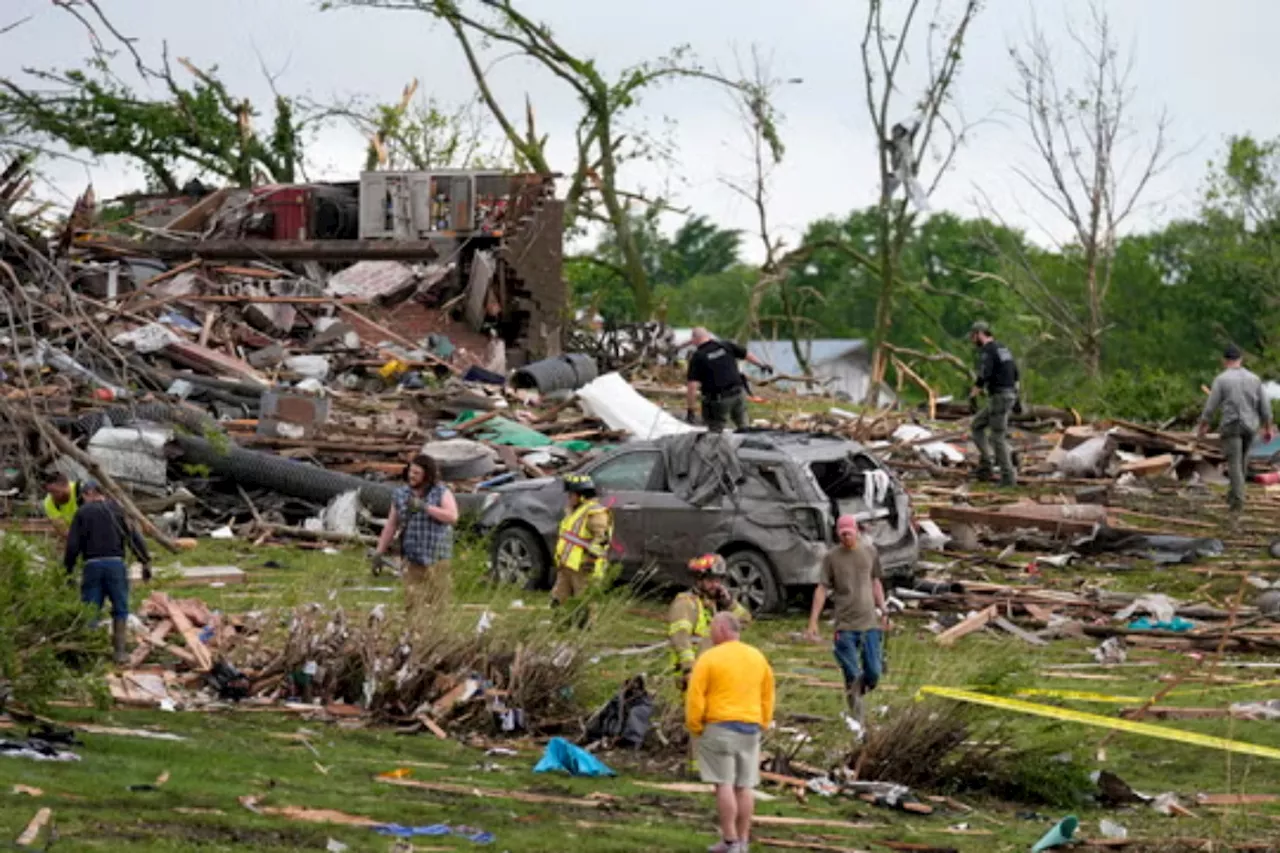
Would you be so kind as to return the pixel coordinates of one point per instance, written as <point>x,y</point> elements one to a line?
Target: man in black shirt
<point>998,377</point>
<point>101,534</point>
<point>714,367</point>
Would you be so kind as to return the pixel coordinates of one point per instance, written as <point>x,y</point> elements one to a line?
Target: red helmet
<point>708,564</point>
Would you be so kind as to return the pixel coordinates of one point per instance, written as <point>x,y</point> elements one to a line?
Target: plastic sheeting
<point>574,760</point>
<point>611,399</point>
<point>132,455</point>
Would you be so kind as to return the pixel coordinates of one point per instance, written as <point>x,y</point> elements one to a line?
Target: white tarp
<point>132,455</point>
<point>611,399</point>
<point>937,451</point>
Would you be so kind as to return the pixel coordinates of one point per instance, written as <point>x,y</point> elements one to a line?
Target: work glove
<point>690,417</point>
<point>377,562</point>
<point>766,369</point>
<point>1017,405</point>
<point>724,598</point>
<point>146,573</point>
<point>683,681</point>
<point>973,405</point>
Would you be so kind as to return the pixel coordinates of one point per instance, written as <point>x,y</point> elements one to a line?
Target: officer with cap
<point>998,377</point>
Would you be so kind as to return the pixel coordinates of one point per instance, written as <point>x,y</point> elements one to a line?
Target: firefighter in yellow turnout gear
<point>582,548</point>
<point>689,618</point>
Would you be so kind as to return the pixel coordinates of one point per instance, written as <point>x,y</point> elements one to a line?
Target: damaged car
<point>765,500</point>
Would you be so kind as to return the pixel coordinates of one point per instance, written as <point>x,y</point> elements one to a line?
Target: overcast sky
<point>1206,63</point>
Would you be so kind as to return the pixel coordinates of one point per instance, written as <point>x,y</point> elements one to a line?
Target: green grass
<point>229,755</point>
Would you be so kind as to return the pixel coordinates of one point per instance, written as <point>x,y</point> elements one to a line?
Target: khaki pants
<point>431,584</point>
<point>570,584</point>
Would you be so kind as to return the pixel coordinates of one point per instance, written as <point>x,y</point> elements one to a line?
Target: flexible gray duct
<point>161,413</point>
<point>562,373</point>
<point>268,471</point>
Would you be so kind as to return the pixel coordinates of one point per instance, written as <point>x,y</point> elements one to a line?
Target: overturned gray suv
<point>765,500</point>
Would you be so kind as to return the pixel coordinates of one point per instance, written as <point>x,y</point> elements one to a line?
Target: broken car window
<point>630,472</point>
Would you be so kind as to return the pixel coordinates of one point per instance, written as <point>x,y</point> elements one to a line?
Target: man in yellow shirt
<point>728,704</point>
<point>61,501</point>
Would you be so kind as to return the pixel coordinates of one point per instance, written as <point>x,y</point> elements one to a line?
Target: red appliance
<point>302,212</point>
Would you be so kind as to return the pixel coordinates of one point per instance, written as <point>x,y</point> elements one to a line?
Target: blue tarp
<point>574,760</point>
<point>395,830</point>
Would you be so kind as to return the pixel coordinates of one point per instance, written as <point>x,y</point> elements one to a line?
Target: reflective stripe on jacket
<point>689,621</point>
<point>577,539</point>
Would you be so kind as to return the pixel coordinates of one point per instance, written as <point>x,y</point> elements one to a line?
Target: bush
<point>1146,395</point>
<point>48,642</point>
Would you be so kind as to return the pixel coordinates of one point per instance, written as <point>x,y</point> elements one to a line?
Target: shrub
<point>48,642</point>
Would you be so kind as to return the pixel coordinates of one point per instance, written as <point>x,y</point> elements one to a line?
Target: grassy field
<point>285,760</point>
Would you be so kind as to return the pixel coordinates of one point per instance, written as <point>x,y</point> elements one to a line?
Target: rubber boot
<point>119,639</point>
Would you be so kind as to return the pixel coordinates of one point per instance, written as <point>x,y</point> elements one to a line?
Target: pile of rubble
<point>423,674</point>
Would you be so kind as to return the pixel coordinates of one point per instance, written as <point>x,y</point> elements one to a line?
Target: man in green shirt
<point>851,577</point>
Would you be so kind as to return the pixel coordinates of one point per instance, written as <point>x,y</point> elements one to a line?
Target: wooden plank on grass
<point>492,793</point>
<point>816,823</point>
<point>804,845</point>
<point>976,622</point>
<point>1236,799</point>
<point>32,832</point>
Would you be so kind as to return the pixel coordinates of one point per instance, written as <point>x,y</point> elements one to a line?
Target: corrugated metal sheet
<point>371,280</point>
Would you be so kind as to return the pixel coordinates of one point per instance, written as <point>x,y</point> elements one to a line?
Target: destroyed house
<point>449,252</point>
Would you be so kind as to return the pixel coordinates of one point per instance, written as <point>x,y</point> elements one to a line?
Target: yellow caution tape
<point>1130,726</point>
<point>1221,688</point>
<point>1083,696</point>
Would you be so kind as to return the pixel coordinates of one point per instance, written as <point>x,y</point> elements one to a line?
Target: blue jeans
<point>859,655</point>
<point>106,578</point>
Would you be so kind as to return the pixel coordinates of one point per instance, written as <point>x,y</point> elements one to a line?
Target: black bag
<point>625,717</point>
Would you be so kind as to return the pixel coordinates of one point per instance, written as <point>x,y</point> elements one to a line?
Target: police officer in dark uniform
<point>714,368</point>
<point>998,377</point>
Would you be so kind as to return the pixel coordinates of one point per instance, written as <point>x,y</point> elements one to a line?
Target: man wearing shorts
<point>729,702</point>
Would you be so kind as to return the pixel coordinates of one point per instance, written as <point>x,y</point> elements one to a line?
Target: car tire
<point>750,578</point>
<point>518,557</point>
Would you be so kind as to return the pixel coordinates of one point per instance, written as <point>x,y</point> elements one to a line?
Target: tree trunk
<point>632,263</point>
<point>1093,334</point>
<point>884,304</point>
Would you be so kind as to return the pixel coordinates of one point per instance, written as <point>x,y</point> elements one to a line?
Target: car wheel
<point>750,578</point>
<point>517,557</point>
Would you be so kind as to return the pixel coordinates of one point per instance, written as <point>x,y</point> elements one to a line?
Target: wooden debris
<point>976,622</point>
<point>492,793</point>
<point>804,845</point>
<point>307,815</point>
<point>32,832</point>
<point>1027,637</point>
<point>204,660</point>
<point>1236,799</point>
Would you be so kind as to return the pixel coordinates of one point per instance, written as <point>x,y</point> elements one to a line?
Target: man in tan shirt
<point>851,576</point>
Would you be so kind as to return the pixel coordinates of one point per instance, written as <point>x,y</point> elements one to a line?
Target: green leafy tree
<point>198,125</point>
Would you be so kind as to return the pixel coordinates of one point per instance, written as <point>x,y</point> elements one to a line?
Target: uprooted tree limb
<point>904,141</point>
